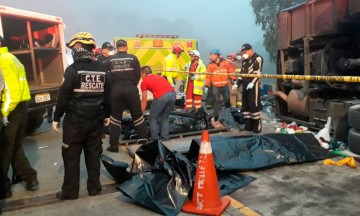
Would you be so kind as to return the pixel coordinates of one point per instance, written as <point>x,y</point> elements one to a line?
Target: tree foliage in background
<point>266,16</point>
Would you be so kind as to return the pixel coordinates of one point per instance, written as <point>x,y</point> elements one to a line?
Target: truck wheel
<point>35,119</point>
<point>354,116</point>
<point>354,141</point>
<point>354,8</point>
<point>342,129</point>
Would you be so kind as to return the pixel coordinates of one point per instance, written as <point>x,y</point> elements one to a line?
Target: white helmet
<point>195,53</point>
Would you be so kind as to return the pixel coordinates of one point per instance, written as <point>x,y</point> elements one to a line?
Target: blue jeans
<point>224,91</point>
<point>159,115</point>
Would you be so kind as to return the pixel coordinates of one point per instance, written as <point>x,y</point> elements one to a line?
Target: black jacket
<point>252,65</point>
<point>85,91</point>
<point>124,68</point>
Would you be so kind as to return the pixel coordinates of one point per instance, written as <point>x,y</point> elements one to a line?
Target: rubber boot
<point>248,124</point>
<point>257,126</point>
<point>115,131</point>
<point>113,148</point>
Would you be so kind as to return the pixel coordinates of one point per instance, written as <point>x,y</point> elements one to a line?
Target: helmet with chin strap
<point>195,53</point>
<point>82,37</point>
<point>177,49</point>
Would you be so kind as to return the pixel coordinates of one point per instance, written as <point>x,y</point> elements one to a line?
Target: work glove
<point>192,77</point>
<point>106,121</point>
<point>250,86</point>
<point>206,90</point>
<point>234,87</point>
<point>55,126</point>
<point>5,120</point>
<point>186,66</point>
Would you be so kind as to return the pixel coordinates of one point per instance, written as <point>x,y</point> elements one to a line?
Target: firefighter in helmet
<point>85,98</point>
<point>252,64</point>
<point>194,80</point>
<point>171,67</point>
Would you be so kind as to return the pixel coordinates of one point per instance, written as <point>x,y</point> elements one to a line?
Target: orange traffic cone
<point>206,198</point>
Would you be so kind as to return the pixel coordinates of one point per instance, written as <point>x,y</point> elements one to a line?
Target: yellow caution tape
<point>348,79</point>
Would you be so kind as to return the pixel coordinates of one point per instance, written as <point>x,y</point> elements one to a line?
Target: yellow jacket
<point>171,63</point>
<point>16,86</point>
<point>200,76</point>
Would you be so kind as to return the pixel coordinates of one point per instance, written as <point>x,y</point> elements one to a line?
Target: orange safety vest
<point>215,70</point>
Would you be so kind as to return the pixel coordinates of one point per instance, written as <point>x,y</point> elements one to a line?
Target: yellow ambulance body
<point>151,50</point>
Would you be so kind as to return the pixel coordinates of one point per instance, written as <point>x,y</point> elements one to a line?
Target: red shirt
<point>156,84</point>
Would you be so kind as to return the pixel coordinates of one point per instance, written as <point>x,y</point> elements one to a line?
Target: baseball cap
<point>246,47</point>
<point>121,42</point>
<point>107,45</point>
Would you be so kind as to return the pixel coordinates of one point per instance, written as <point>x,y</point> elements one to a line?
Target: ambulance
<point>37,40</point>
<point>151,50</point>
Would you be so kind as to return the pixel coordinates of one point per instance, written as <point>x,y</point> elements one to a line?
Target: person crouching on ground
<point>164,100</point>
<point>85,98</point>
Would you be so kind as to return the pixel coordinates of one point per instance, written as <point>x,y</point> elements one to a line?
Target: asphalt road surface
<point>304,189</point>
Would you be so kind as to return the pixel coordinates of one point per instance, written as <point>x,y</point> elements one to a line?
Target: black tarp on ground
<point>184,121</point>
<point>163,179</point>
<point>263,151</point>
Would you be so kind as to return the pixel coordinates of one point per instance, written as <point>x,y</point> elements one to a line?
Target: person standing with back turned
<point>125,75</point>
<point>85,98</point>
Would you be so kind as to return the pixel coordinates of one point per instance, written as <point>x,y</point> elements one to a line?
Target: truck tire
<point>35,119</point>
<point>354,8</point>
<point>354,116</point>
<point>354,140</point>
<point>342,129</point>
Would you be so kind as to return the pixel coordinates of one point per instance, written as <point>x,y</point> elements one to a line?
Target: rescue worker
<point>219,72</point>
<point>14,116</point>
<point>164,101</point>
<point>85,98</point>
<point>125,75</point>
<point>107,50</point>
<point>231,58</point>
<point>252,64</point>
<point>171,67</point>
<point>194,81</point>
<point>238,84</point>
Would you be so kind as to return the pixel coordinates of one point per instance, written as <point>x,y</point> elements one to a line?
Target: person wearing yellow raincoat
<point>14,118</point>
<point>171,67</point>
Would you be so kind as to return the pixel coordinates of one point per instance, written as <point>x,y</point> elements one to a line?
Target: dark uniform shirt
<point>124,68</point>
<point>85,91</point>
<point>252,65</point>
<point>102,59</point>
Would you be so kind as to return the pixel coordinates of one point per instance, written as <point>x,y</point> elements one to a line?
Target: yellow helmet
<point>81,37</point>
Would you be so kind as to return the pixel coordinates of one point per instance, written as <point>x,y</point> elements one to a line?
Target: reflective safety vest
<point>200,76</point>
<point>215,75</point>
<point>171,63</point>
<point>16,86</point>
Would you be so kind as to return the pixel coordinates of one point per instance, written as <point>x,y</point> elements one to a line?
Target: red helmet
<point>177,48</point>
<point>232,55</point>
